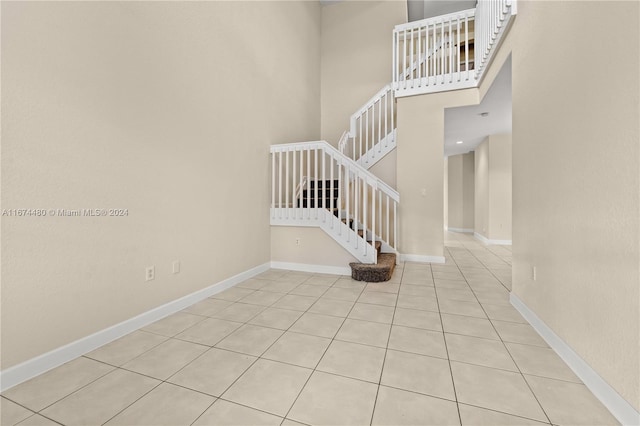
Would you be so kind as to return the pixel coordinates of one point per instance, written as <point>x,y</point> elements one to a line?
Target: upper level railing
<point>492,18</point>
<point>448,52</point>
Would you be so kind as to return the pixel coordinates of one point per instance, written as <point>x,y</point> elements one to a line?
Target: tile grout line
<point>446,347</point>
<point>69,394</point>
<point>323,353</point>
<point>486,267</point>
<point>260,356</point>
<point>162,381</point>
<point>510,356</point>
<point>386,349</point>
<point>267,349</point>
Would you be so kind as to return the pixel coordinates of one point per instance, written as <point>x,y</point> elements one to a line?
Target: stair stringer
<point>346,237</point>
<point>379,150</point>
<point>384,248</point>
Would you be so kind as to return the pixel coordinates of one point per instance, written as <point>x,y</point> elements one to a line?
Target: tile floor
<point>438,345</point>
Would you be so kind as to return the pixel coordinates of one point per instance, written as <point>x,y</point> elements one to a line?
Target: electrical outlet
<point>534,273</point>
<point>297,241</point>
<point>150,273</point>
<point>176,267</point>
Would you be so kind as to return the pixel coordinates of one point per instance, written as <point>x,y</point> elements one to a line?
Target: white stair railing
<point>448,52</point>
<point>343,143</point>
<point>492,17</point>
<point>371,129</point>
<point>341,198</point>
<point>420,61</point>
<point>434,52</point>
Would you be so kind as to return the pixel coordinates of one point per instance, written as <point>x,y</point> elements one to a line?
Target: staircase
<point>315,184</point>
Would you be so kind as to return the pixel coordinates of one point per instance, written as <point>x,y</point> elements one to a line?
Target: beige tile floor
<point>439,345</point>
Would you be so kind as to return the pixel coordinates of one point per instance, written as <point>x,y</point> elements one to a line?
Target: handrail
<point>342,143</point>
<point>371,101</point>
<point>300,187</point>
<point>372,179</point>
<point>435,19</point>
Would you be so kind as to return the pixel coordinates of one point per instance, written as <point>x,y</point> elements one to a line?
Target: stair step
<point>324,183</point>
<point>378,244</point>
<point>326,193</point>
<point>374,273</point>
<point>344,220</point>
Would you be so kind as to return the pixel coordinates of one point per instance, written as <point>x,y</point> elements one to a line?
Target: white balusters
<point>324,190</point>
<point>370,131</point>
<point>428,53</point>
<point>493,17</point>
<point>332,188</point>
<point>286,183</point>
<point>280,185</point>
<point>302,185</point>
<point>466,45</point>
<point>315,168</point>
<point>273,186</point>
<point>444,52</point>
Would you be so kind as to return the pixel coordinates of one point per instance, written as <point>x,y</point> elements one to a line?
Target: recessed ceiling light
<point>459,142</point>
<point>484,114</point>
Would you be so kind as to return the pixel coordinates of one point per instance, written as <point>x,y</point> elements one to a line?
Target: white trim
<point>24,371</point>
<point>420,258</point>
<point>616,404</point>
<point>487,241</point>
<point>463,230</point>
<point>315,269</point>
<point>379,150</point>
<point>340,232</point>
<point>431,84</point>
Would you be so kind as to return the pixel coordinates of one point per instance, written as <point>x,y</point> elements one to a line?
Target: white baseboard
<point>617,405</point>
<point>24,371</point>
<point>485,240</point>
<point>462,230</point>
<point>420,258</point>
<point>315,269</point>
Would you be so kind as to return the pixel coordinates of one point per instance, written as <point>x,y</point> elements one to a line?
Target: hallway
<point>439,344</point>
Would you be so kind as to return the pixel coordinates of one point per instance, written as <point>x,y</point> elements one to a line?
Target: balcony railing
<point>448,52</point>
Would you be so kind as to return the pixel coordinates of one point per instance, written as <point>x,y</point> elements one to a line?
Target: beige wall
<point>454,189</point>
<point>385,169</point>
<point>356,57</point>
<point>468,190</point>
<point>460,174</point>
<point>446,192</point>
<point>166,109</point>
<point>420,169</point>
<point>500,187</point>
<point>576,179</point>
<point>493,176</point>
<point>481,217</point>
<point>315,247</point>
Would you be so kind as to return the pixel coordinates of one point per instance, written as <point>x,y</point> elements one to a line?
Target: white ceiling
<point>467,125</point>
<point>421,9</point>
